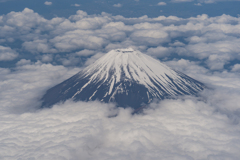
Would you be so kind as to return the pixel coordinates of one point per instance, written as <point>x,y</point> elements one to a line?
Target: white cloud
<point>24,62</point>
<point>201,1</point>
<point>93,58</point>
<point>218,53</point>
<point>117,5</point>
<point>85,52</point>
<point>149,37</point>
<point>180,1</point>
<point>177,44</point>
<point>47,58</point>
<point>19,19</point>
<point>72,59</point>
<point>37,46</point>
<point>76,5</point>
<point>162,4</point>
<point>79,15</point>
<point>191,68</point>
<point>27,83</point>
<point>236,67</point>
<point>7,54</point>
<point>48,3</point>
<point>78,40</point>
<point>197,4</point>
<point>159,52</point>
<point>214,1</point>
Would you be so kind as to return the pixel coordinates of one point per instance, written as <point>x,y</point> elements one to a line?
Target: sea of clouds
<point>188,128</point>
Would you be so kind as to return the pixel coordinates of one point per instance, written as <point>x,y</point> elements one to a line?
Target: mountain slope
<point>125,76</point>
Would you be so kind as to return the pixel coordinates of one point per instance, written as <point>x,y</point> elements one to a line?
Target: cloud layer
<point>187,128</point>
<point>212,40</point>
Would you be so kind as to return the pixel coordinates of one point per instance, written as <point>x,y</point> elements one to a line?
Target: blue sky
<point>42,43</point>
<point>129,8</point>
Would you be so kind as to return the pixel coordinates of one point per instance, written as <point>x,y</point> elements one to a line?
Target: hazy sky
<point>43,43</point>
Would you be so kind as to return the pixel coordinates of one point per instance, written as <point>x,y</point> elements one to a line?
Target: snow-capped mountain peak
<point>127,77</point>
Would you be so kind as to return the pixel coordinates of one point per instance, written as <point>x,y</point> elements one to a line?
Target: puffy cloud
<point>159,51</point>
<point>23,62</point>
<point>177,44</point>
<point>26,84</point>
<point>79,15</point>
<point>197,4</point>
<point>191,68</point>
<point>47,58</point>
<point>84,131</point>
<point>7,54</point>
<point>218,53</point>
<point>18,19</point>
<point>153,37</point>
<point>93,58</point>
<point>78,40</point>
<point>38,45</point>
<point>201,1</point>
<point>20,25</point>
<point>117,5</point>
<point>162,4</point>
<point>48,3</point>
<point>70,60</point>
<point>85,52</point>
<point>236,67</point>
<point>180,1</point>
<point>214,1</point>
<point>76,5</point>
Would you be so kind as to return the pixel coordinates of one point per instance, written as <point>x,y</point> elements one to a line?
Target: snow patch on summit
<point>130,65</point>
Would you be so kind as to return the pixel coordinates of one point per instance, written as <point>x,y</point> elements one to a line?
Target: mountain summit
<point>126,77</point>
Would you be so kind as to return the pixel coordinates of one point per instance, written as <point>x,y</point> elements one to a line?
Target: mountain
<point>124,76</point>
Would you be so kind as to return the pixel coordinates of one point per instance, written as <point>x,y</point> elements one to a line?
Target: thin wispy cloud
<point>117,5</point>
<point>197,4</point>
<point>48,3</point>
<point>181,1</point>
<point>76,5</point>
<point>162,4</point>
